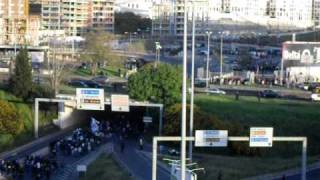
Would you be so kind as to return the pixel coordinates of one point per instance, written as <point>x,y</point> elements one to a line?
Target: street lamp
<point>208,33</point>
<point>221,56</point>
<point>158,48</point>
<point>184,96</point>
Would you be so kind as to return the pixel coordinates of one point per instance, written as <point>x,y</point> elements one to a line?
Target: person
<point>259,96</point>
<point>284,177</point>
<point>141,143</point>
<point>237,95</point>
<point>122,145</point>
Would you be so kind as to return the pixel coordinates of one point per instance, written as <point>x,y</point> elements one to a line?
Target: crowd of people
<point>79,143</point>
<point>35,167</point>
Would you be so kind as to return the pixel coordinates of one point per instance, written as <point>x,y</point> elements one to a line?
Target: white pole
<point>208,57</point>
<point>192,83</point>
<point>184,97</point>
<point>281,72</point>
<point>304,159</point>
<point>36,118</point>
<point>221,57</point>
<point>154,159</point>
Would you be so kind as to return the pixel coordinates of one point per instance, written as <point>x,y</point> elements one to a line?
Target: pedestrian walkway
<point>69,172</point>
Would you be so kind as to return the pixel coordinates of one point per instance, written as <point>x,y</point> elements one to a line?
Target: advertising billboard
<point>90,99</point>
<point>301,52</point>
<point>211,138</point>
<point>261,136</point>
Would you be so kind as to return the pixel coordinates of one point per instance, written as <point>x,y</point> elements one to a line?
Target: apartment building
<point>138,7</point>
<point>163,18</point>
<point>13,21</point>
<point>101,15</point>
<point>272,14</point>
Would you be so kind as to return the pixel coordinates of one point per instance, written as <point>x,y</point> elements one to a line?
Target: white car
<point>315,97</point>
<point>215,91</point>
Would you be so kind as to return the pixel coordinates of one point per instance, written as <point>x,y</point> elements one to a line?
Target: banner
<point>120,103</point>
<point>301,52</point>
<point>90,99</point>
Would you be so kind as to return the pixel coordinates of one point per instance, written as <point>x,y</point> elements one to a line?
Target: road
<point>139,165</point>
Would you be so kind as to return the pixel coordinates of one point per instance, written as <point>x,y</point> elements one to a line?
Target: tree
<point>245,61</point>
<point>129,22</point>
<point>10,121</point>
<point>21,80</point>
<point>161,84</point>
<point>97,50</point>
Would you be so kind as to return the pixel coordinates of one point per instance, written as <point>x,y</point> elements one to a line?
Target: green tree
<point>21,80</point>
<point>161,84</point>
<point>10,122</point>
<point>97,50</point>
<point>129,22</point>
<point>245,60</point>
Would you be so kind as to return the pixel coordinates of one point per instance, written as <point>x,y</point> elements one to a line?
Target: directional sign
<point>261,136</point>
<point>211,138</point>
<point>90,99</point>
<point>120,103</point>
<point>147,119</point>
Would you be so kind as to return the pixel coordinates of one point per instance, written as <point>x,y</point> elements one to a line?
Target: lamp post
<point>221,57</point>
<point>208,33</point>
<point>184,96</point>
<point>158,48</point>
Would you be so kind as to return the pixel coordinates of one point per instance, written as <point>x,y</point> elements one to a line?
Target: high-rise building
<point>316,13</point>
<point>74,16</point>
<point>101,16</point>
<point>273,14</point>
<point>13,21</point>
<point>138,7</point>
<point>162,18</point>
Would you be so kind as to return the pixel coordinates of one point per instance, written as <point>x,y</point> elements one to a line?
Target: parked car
<point>315,97</point>
<point>93,84</point>
<point>100,79</point>
<point>215,91</point>
<point>78,83</point>
<point>270,94</point>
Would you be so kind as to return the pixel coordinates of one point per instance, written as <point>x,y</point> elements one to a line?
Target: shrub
<point>10,121</point>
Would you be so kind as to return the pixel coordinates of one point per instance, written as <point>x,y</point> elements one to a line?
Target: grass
<point>9,141</point>
<point>108,71</point>
<point>288,117</point>
<point>105,168</point>
<point>242,167</point>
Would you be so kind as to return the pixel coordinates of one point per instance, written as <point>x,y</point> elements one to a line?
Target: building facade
<point>272,14</point>
<point>13,21</point>
<point>138,7</point>
<point>101,15</point>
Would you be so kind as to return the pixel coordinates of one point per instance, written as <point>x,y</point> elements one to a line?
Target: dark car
<point>93,84</point>
<point>270,94</point>
<point>78,83</point>
<point>100,79</point>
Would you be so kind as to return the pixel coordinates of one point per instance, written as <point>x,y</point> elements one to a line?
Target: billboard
<point>301,52</point>
<point>120,103</point>
<point>261,136</point>
<point>37,57</point>
<point>211,138</point>
<point>90,99</point>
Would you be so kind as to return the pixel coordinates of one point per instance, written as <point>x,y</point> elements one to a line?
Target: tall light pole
<point>221,56</point>
<point>208,57</point>
<point>192,83</point>
<point>158,48</point>
<point>184,96</point>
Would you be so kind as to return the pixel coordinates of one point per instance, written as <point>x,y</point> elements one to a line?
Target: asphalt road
<point>140,166</point>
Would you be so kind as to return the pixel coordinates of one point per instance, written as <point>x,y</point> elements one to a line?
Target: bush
<point>10,121</point>
<point>40,91</point>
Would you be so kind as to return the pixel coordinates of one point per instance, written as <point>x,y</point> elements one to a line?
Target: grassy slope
<point>289,118</point>
<point>105,168</point>
<point>8,141</point>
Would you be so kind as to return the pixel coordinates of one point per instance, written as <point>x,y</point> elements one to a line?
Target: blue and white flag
<point>94,125</point>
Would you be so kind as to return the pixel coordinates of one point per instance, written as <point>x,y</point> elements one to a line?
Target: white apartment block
<point>272,14</point>
<point>76,17</point>
<point>138,7</point>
